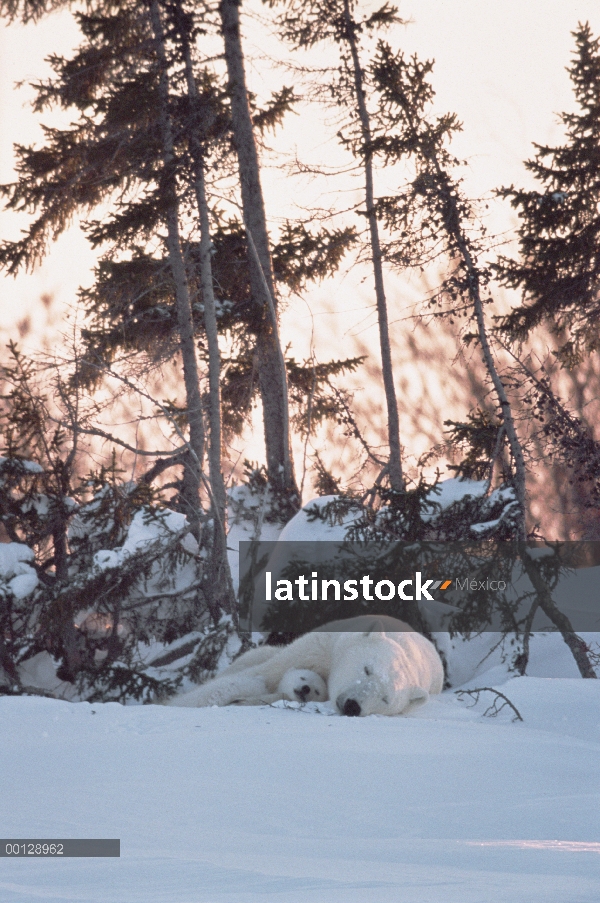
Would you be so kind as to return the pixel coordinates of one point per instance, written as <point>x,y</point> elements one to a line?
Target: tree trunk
<point>192,469</point>
<point>455,231</point>
<point>272,376</point>
<point>544,598</point>
<point>395,460</point>
<point>9,675</point>
<point>220,577</point>
<point>73,647</point>
<point>559,619</point>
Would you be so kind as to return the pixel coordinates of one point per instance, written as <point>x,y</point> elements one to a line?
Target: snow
<point>245,509</point>
<point>14,559</point>
<point>296,804</point>
<point>484,527</point>
<point>15,569</point>
<point>40,671</point>
<point>448,492</point>
<point>107,558</point>
<point>143,532</point>
<point>288,805</point>
<point>23,584</point>
<point>27,466</point>
<point>484,657</point>
<point>457,489</point>
<point>303,528</point>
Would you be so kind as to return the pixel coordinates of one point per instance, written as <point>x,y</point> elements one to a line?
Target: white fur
<point>404,668</point>
<point>302,685</point>
<point>296,685</point>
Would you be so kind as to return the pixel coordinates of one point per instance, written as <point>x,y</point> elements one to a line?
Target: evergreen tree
<point>306,24</point>
<point>183,26</point>
<point>558,270</point>
<point>122,141</point>
<point>93,561</point>
<point>432,216</point>
<point>272,371</point>
<point>169,201</point>
<point>113,155</point>
<point>122,75</point>
<point>432,207</point>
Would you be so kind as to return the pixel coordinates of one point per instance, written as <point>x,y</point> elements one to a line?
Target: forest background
<point>503,73</point>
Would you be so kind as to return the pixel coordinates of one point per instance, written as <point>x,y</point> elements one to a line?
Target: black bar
<point>56,849</point>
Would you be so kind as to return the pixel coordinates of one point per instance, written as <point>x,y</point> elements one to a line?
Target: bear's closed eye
<point>368,671</point>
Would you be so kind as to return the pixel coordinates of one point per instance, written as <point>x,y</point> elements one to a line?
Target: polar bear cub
<point>302,685</point>
<point>296,685</point>
<point>371,665</point>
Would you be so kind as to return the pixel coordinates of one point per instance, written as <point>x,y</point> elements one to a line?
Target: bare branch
<point>494,709</point>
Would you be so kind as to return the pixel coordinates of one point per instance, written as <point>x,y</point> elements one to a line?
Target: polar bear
<point>296,685</point>
<point>302,685</point>
<point>373,664</point>
<point>246,687</point>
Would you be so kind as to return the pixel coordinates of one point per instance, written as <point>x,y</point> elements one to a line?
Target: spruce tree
<point>272,371</point>
<point>112,154</point>
<point>306,24</point>
<point>97,565</point>
<point>558,269</point>
<point>433,215</point>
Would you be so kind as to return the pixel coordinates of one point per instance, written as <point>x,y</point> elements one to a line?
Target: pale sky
<point>499,66</point>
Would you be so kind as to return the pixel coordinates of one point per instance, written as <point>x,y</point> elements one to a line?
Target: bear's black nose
<point>351,707</point>
<point>303,692</point>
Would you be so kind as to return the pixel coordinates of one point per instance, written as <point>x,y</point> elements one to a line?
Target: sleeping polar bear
<point>246,688</point>
<point>372,665</point>
<point>296,685</point>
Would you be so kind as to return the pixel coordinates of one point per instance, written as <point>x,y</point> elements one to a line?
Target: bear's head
<point>371,676</point>
<point>302,685</point>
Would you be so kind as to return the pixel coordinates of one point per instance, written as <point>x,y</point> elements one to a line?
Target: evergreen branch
<point>96,431</point>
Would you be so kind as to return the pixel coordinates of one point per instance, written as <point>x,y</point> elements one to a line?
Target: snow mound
<point>16,573</point>
<point>14,559</point>
<point>23,585</point>
<point>26,466</point>
<point>304,528</point>
<point>449,492</point>
<point>142,534</point>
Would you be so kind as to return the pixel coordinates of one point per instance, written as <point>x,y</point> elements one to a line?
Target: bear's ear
<point>375,628</point>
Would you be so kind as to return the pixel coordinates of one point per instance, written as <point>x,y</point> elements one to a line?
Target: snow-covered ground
<point>284,804</point>
<point>287,805</point>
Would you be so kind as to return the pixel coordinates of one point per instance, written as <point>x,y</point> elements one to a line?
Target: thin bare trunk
<point>523,659</point>
<point>454,229</point>
<point>543,593</point>
<point>505,405</point>
<point>272,376</point>
<point>222,581</point>
<point>9,676</point>
<point>395,461</point>
<point>192,475</point>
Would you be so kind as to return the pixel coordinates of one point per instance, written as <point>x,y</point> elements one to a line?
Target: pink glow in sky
<point>499,66</point>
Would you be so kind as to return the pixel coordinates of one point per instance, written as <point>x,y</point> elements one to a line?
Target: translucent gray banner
<point>289,588</point>
<point>51,849</point>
